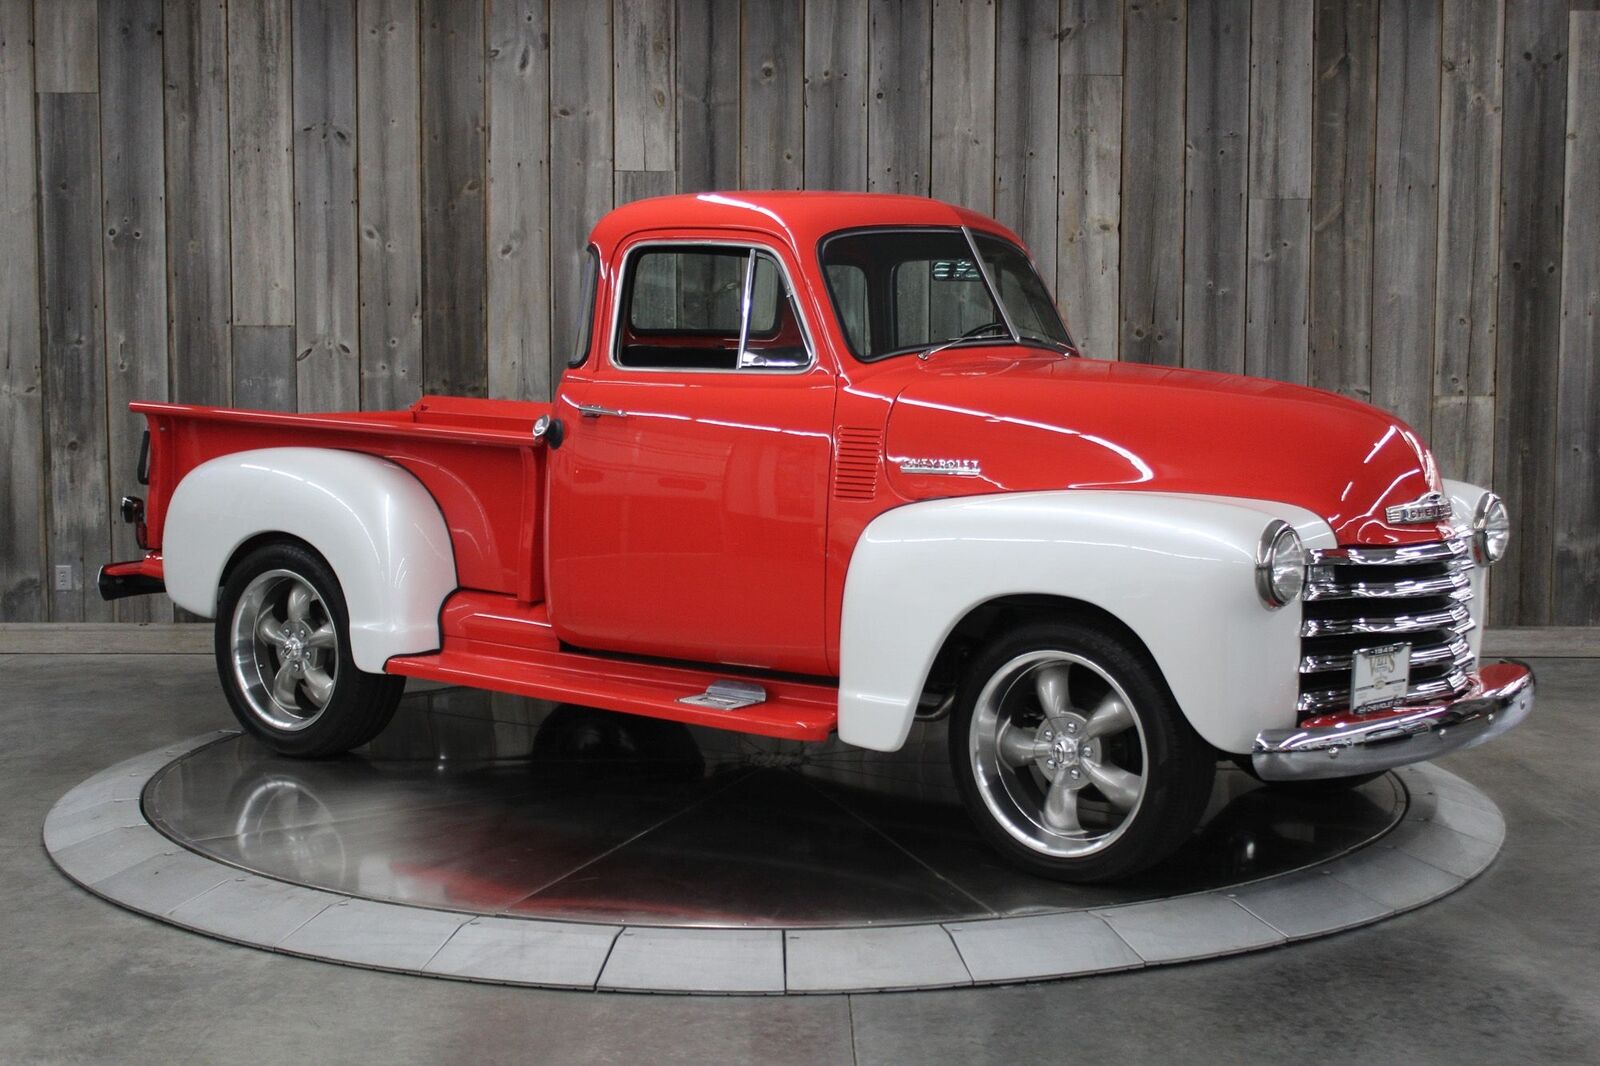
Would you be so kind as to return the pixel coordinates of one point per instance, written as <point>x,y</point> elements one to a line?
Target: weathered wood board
<point>1089,210</point>
<point>389,198</point>
<point>133,189</point>
<point>519,200</point>
<point>1405,209</point>
<point>580,159</point>
<point>263,368</point>
<point>1344,114</point>
<point>772,106</point>
<point>1026,104</point>
<point>327,327</point>
<point>1216,185</point>
<point>1577,504</point>
<point>836,94</point>
<point>22,461</point>
<point>453,267</point>
<point>71,287</point>
<point>261,165</point>
<point>1468,264</point>
<point>65,34</point>
<point>642,108</point>
<point>194,40</point>
<point>707,94</point>
<point>1528,324</point>
<point>1153,105</point>
<point>899,115</point>
<point>962,167</point>
<point>1276,328</point>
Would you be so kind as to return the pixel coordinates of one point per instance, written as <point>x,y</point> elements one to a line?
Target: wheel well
<point>988,620</point>
<point>261,540</point>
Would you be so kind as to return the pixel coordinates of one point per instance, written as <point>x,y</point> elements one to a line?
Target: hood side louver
<point>856,473</point>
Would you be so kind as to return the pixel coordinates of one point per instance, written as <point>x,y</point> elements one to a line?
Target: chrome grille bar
<point>1455,617</point>
<point>1324,701</point>
<point>1322,587</point>
<point>1407,555</point>
<point>1458,651</point>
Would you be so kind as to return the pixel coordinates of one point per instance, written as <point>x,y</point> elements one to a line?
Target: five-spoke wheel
<point>1072,756</point>
<point>1057,752</point>
<point>283,654</point>
<point>285,649</point>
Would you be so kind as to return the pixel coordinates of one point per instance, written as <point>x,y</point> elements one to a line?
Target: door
<point>688,501</point>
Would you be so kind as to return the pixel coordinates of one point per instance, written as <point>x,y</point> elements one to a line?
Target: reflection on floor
<point>497,804</point>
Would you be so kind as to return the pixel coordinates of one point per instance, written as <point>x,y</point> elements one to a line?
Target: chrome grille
<point>1367,597</point>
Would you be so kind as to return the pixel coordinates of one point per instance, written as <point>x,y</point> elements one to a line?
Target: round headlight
<point>1280,565</point>
<point>1491,529</point>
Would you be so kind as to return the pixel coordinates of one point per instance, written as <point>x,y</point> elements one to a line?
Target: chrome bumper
<point>1501,696</point>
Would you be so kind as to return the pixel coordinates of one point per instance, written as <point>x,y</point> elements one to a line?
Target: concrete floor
<point>1508,969</point>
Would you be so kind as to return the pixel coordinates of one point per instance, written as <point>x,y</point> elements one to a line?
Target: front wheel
<point>1073,759</point>
<point>283,654</point>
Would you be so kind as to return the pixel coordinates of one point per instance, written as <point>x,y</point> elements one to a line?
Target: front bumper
<point>1501,696</point>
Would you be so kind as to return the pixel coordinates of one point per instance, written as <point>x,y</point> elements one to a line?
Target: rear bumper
<point>1501,696</point>
<point>139,578</point>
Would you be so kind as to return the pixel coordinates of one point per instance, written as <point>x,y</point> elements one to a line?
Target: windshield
<point>913,289</point>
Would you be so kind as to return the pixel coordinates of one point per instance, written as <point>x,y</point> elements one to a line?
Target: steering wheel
<point>978,331</point>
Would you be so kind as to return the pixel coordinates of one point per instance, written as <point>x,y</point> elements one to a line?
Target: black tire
<point>1175,767</point>
<point>355,705</point>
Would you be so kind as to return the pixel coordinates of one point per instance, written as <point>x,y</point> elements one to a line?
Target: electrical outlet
<point>64,578</point>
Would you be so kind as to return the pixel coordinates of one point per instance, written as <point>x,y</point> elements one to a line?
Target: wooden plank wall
<point>323,204</point>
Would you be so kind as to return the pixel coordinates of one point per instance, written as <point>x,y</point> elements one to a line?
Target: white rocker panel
<point>374,523</point>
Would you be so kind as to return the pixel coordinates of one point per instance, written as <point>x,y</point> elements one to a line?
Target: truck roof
<point>799,217</point>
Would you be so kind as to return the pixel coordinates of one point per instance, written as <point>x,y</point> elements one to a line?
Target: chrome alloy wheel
<point>1058,755</point>
<point>285,650</point>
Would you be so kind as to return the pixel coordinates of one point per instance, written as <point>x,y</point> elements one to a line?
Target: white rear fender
<point>374,523</point>
<point>1178,570</point>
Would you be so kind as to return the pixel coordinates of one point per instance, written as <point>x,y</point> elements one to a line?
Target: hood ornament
<point>946,467</point>
<point>1427,508</point>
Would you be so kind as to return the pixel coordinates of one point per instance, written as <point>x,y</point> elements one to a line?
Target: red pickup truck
<point>832,463</point>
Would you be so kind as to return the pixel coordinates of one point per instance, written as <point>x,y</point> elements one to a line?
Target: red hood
<point>1034,420</point>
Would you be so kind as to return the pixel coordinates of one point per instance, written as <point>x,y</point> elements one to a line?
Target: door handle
<point>594,410</point>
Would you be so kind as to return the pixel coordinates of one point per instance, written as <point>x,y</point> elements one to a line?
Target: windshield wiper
<point>977,338</point>
<point>1047,342</point>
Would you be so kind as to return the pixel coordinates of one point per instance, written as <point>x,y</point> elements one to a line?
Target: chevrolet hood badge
<point>1425,509</point>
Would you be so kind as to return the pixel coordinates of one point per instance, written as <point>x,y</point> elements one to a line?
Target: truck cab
<point>827,463</point>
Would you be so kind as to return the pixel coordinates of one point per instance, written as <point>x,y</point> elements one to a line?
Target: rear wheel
<point>283,655</point>
<point>1073,759</point>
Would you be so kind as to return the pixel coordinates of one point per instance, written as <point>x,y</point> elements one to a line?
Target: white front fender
<point>1178,570</point>
<point>374,523</point>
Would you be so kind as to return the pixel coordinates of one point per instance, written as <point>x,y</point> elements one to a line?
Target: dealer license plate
<point>1380,677</point>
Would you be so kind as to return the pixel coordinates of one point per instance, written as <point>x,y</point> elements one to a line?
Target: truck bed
<point>477,457</point>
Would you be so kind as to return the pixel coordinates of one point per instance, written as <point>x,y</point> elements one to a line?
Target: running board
<point>789,710</point>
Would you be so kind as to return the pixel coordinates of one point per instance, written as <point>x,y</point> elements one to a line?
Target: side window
<point>591,281</point>
<point>701,307</point>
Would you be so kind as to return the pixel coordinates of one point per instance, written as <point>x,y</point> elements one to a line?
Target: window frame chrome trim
<point>994,288</point>
<point>750,244</point>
